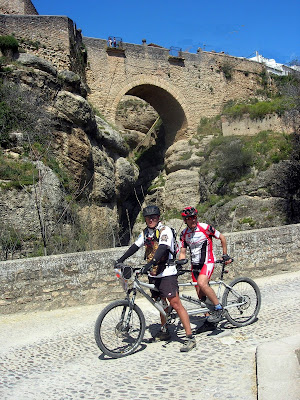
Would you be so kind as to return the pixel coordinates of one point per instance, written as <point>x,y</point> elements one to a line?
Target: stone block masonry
<point>54,38</point>
<point>17,7</point>
<point>52,282</point>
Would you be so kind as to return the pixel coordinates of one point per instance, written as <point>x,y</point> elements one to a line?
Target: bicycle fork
<point>131,301</point>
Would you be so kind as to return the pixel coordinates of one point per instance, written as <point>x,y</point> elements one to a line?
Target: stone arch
<point>164,98</point>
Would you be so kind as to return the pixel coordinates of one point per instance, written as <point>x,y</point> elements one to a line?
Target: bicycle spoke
<point>241,302</point>
<point>119,330</point>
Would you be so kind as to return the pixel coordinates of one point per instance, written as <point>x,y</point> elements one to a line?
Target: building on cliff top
<point>274,67</point>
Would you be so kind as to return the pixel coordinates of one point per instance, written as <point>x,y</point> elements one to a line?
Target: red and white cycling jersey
<point>199,242</point>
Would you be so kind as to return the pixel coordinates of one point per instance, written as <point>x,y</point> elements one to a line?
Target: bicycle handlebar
<point>128,270</point>
<point>221,261</point>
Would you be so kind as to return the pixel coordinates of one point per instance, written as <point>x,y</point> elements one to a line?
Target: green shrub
<point>10,241</point>
<point>23,111</point>
<point>17,173</point>
<point>258,109</point>
<point>171,213</point>
<point>8,43</point>
<point>247,220</point>
<point>227,69</point>
<point>212,200</point>
<point>186,156</point>
<point>209,126</point>
<point>269,148</point>
<point>160,182</point>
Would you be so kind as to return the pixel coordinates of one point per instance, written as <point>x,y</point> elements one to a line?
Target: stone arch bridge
<point>182,89</point>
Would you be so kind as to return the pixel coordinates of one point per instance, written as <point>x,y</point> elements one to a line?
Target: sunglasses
<point>152,217</point>
<point>191,218</point>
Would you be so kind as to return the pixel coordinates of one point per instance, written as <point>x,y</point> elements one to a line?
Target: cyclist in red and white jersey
<point>198,238</point>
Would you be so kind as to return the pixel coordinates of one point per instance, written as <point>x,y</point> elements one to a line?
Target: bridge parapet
<point>44,283</point>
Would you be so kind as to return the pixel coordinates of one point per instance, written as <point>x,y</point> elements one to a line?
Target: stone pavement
<point>52,355</point>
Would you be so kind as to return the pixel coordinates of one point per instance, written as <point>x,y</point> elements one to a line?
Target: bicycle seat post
<point>223,270</point>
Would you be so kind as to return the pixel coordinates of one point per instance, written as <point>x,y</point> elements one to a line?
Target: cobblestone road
<point>52,355</point>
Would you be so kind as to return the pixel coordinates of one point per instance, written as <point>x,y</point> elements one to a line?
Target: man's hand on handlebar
<point>227,259</point>
<point>117,264</point>
<point>146,268</point>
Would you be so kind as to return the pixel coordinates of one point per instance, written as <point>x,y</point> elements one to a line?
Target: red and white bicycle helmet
<point>189,212</point>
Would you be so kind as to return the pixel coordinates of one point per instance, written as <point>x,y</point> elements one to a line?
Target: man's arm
<point>224,247</point>
<point>182,253</point>
<point>132,249</point>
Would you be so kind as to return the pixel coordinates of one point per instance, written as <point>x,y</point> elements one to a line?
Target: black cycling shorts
<point>167,286</point>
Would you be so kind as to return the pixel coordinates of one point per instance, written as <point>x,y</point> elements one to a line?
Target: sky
<point>237,27</point>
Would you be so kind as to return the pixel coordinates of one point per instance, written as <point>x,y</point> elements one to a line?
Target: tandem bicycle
<point>120,327</point>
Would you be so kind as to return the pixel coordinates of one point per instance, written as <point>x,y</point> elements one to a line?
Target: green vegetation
<point>22,111</point>
<point>247,220</point>
<point>15,173</point>
<point>227,69</point>
<point>159,182</point>
<point>268,148</point>
<point>171,213</point>
<point>209,126</point>
<point>186,156</point>
<point>8,43</point>
<point>233,158</point>
<point>212,200</point>
<point>36,44</point>
<point>10,241</point>
<point>258,109</point>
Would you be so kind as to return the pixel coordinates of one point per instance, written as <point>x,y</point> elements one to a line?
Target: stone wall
<point>17,7</point>
<point>245,126</point>
<point>54,38</point>
<point>45,283</point>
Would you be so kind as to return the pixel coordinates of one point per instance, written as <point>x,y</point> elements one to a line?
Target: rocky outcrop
<point>135,114</point>
<point>30,60</point>
<point>19,208</point>
<point>183,155</point>
<point>87,147</point>
<point>110,138</point>
<point>262,200</point>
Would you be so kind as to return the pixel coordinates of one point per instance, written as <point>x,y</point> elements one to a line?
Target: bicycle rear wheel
<point>119,330</point>
<point>243,300</point>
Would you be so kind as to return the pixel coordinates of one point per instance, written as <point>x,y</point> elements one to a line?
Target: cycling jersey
<point>199,241</point>
<point>161,235</point>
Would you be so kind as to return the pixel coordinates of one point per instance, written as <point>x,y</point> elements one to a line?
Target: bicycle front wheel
<point>241,301</point>
<point>119,329</point>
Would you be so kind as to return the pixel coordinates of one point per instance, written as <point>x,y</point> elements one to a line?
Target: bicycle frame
<point>202,309</point>
<point>139,285</point>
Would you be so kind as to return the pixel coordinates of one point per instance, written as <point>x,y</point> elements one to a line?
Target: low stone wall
<point>45,283</point>
<point>245,126</point>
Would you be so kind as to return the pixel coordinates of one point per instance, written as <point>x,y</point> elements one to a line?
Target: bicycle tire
<point>115,336</point>
<point>243,290</point>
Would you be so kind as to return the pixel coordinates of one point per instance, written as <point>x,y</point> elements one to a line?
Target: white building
<point>274,67</point>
